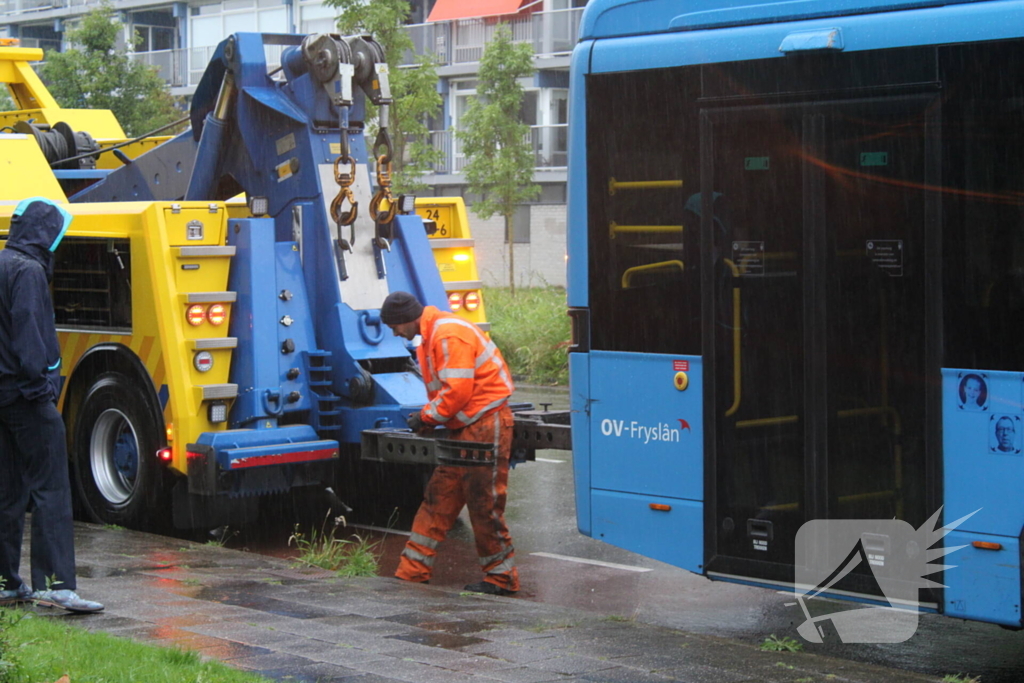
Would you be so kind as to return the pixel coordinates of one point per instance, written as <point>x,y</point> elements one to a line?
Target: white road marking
<point>380,529</point>
<point>599,563</point>
<point>548,460</point>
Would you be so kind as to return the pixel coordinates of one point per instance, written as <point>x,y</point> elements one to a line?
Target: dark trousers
<point>34,476</point>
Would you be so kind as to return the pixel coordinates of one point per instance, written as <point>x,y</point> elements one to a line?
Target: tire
<point>118,479</point>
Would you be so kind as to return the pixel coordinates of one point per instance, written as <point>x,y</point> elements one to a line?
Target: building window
<point>520,225</point>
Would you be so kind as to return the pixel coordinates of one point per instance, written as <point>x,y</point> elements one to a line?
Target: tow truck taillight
<point>164,455</point>
<point>455,301</point>
<point>216,314</point>
<point>195,315</point>
<point>471,301</point>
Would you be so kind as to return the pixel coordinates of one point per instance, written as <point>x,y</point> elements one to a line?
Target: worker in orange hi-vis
<point>468,386</point>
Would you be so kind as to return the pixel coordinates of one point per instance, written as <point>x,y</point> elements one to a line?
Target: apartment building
<point>178,39</point>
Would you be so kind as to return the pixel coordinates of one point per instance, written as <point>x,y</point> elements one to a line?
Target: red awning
<point>445,10</point>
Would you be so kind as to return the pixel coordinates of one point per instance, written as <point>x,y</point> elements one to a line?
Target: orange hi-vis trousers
<point>484,490</point>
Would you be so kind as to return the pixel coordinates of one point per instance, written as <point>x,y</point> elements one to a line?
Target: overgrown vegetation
<point>961,678</point>
<point>785,644</point>
<point>532,330</point>
<point>28,654</point>
<point>356,556</point>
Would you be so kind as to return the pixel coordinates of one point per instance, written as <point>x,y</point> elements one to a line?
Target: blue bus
<point>796,280</point>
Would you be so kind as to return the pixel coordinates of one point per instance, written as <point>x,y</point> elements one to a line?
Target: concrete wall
<point>539,263</point>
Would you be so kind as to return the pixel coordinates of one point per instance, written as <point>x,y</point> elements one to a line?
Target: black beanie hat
<point>400,307</point>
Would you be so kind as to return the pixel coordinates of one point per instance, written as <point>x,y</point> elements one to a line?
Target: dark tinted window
<point>643,167</point>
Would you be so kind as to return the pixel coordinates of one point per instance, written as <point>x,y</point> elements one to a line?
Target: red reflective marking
<point>284,458</point>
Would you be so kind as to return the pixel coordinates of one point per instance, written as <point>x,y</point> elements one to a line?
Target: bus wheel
<point>117,475</point>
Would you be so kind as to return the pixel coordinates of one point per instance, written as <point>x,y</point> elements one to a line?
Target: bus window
<point>983,211</point>
<point>644,245</point>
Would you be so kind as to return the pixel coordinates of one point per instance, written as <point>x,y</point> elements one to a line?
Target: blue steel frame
<point>635,35</point>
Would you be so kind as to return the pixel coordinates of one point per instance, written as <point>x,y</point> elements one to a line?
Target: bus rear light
<point>471,301</point>
<point>195,315</point>
<point>164,455</point>
<point>216,314</point>
<point>987,545</point>
<point>455,301</point>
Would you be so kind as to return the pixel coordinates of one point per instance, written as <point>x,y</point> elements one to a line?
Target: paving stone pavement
<point>261,614</point>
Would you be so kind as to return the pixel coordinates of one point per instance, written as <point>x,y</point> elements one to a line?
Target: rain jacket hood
<point>29,352</point>
<point>37,227</point>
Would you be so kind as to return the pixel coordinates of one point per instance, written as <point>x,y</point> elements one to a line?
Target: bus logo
<point>889,552</point>
<point>645,433</point>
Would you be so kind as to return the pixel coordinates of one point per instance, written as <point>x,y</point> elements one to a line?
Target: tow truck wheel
<point>117,475</point>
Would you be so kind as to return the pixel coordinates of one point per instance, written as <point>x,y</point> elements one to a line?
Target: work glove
<point>416,423</point>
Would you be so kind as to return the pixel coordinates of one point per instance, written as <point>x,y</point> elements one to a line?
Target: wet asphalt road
<point>558,565</point>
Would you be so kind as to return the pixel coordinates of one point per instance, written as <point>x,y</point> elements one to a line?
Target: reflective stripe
<point>505,567</point>
<point>484,561</point>
<point>465,323</point>
<point>425,541</point>
<point>489,353</point>
<point>457,373</point>
<point>444,351</point>
<point>434,385</point>
<point>417,556</point>
<point>466,419</point>
<point>486,354</point>
<point>431,410</point>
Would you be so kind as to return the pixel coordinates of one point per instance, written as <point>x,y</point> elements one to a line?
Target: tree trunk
<point>510,231</point>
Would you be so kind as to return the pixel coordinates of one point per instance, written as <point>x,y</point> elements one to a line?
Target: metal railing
<point>550,149</point>
<point>15,7</point>
<point>462,41</point>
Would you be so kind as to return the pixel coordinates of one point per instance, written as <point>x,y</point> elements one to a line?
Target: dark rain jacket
<point>29,353</point>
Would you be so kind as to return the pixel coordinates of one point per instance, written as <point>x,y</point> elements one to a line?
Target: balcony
<point>550,149</point>
<point>462,41</point>
<point>185,68</point>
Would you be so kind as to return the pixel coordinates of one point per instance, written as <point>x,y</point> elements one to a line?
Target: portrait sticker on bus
<point>887,255</point>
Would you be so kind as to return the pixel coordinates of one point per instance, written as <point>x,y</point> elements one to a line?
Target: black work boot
<point>488,589</point>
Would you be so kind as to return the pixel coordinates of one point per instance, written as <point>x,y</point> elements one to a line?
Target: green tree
<point>95,74</point>
<point>414,88</point>
<point>495,140</point>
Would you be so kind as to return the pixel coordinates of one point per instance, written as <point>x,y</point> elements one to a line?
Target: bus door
<point>816,215</point>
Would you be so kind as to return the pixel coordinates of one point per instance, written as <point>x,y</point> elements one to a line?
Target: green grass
<point>775,644</point>
<point>29,653</point>
<point>532,330</point>
<point>961,678</point>
<point>356,556</point>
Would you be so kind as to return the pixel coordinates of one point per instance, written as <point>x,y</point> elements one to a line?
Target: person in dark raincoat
<point>33,451</point>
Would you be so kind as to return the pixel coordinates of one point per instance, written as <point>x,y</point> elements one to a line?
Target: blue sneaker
<point>13,597</point>
<point>65,599</point>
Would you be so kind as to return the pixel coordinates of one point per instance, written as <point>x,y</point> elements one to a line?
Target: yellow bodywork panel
<point>24,171</point>
<point>166,243</point>
<point>454,250</point>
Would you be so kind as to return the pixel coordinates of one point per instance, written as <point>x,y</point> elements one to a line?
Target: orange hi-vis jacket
<point>464,371</point>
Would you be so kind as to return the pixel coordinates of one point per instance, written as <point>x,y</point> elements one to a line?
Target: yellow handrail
<point>660,265</point>
<point>737,383</point>
<point>614,229</point>
<point>615,185</point>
